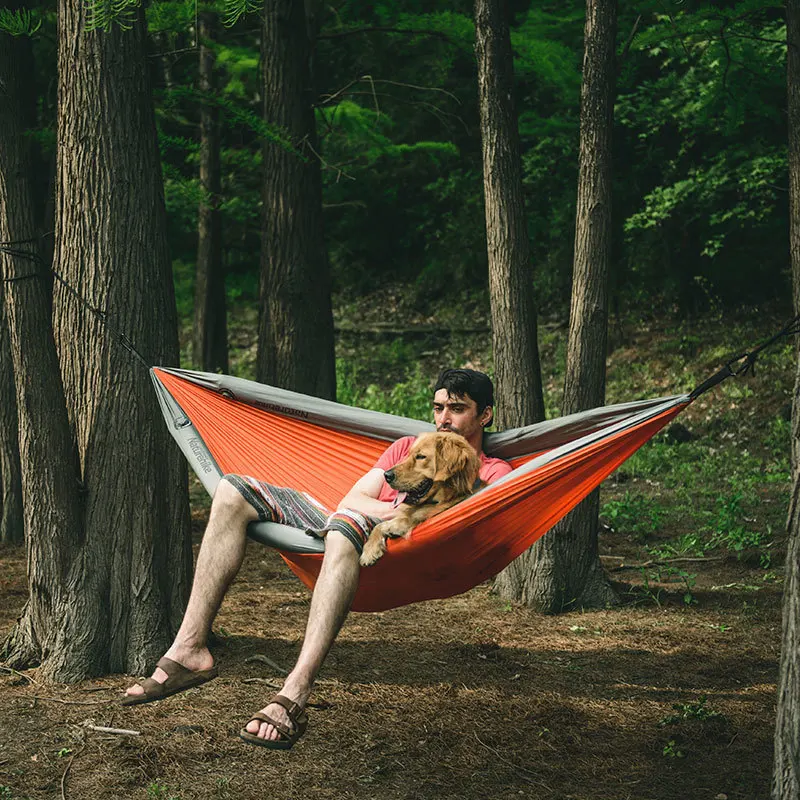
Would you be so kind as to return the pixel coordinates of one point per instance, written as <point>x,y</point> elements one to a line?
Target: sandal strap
<point>279,726</point>
<point>172,668</point>
<point>151,687</point>
<point>293,710</point>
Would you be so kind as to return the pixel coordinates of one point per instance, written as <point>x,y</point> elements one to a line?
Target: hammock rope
<point>748,359</point>
<point>101,316</point>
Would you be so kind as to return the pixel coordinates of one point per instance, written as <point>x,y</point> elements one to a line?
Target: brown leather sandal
<point>179,679</point>
<point>289,736</point>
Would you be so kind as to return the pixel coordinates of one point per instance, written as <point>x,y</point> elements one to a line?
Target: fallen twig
<point>119,731</point>
<point>64,776</point>
<point>268,661</point>
<point>662,563</point>
<point>72,702</point>
<point>16,672</point>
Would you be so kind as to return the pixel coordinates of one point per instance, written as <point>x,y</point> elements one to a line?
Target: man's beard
<point>448,428</point>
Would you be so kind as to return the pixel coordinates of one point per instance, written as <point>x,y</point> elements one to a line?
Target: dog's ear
<point>452,462</point>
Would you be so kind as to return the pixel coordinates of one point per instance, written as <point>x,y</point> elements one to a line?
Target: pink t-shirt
<point>491,468</point>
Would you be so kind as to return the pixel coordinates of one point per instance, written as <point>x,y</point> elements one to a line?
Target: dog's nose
<point>389,476</point>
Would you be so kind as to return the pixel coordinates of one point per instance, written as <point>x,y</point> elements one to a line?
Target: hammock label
<point>201,454</point>
<point>284,410</point>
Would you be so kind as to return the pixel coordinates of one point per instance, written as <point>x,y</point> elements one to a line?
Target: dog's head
<point>436,460</point>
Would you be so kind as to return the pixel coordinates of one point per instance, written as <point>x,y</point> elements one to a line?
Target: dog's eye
<point>420,457</point>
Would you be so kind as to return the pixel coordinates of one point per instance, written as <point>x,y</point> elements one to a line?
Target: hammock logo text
<point>287,412</point>
<point>199,452</point>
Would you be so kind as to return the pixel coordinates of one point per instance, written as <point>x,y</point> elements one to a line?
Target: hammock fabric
<point>229,425</point>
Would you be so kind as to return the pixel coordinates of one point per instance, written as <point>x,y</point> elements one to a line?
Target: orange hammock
<point>229,425</point>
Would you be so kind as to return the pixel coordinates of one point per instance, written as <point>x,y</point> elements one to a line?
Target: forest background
<point>700,214</point>
<point>700,163</point>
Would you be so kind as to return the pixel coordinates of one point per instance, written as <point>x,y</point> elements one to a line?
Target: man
<point>463,403</point>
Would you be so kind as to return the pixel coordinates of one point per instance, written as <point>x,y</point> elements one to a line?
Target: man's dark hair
<point>459,382</point>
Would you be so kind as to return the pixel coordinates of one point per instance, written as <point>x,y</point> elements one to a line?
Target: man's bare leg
<point>330,603</point>
<point>219,560</point>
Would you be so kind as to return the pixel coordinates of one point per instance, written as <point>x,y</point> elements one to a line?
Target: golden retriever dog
<point>440,470</point>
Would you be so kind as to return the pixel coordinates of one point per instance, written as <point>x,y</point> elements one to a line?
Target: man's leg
<point>220,557</point>
<point>333,595</point>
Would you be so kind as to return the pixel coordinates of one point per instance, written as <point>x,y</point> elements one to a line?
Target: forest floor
<point>670,694</point>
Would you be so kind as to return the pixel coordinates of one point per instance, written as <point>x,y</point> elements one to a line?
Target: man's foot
<point>277,726</point>
<point>177,671</point>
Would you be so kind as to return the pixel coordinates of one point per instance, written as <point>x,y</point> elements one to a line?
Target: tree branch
<point>383,29</point>
<point>629,41</point>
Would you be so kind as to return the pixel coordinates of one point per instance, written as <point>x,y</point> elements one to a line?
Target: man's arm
<point>363,497</point>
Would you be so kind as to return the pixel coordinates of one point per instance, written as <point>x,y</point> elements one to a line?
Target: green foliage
<point>636,513</point>
<point>19,22</point>
<point>234,10</point>
<point>730,533</point>
<point>160,791</point>
<point>700,200</point>
<point>363,129</point>
<point>690,711</point>
<point>671,750</point>
<point>232,113</point>
<point>685,545</point>
<point>102,14</point>
<point>408,398</point>
<point>705,104</point>
<point>240,65</point>
<point>653,579</point>
<point>183,276</point>
<point>171,16</point>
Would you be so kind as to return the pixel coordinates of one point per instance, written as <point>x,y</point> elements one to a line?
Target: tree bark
<point>210,331</point>
<point>49,473</point>
<point>519,399</point>
<point>108,579</point>
<point>562,570</point>
<point>16,106</point>
<point>786,764</point>
<point>295,337</point>
<point>11,525</point>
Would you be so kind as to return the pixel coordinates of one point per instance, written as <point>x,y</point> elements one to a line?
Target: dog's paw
<point>395,528</point>
<point>373,550</point>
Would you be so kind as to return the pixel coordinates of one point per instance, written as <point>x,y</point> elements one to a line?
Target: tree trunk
<point>49,473</point>
<point>107,595</point>
<point>786,765</point>
<point>210,334</point>
<point>295,336</point>
<point>11,525</point>
<point>518,376</point>
<point>17,101</point>
<point>562,570</point>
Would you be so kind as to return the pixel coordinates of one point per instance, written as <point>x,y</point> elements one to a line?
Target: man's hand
<point>392,511</point>
<point>363,497</point>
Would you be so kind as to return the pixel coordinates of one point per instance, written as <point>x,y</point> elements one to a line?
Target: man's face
<point>458,414</point>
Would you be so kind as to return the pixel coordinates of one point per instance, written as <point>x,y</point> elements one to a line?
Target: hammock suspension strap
<point>746,361</point>
<point>102,316</point>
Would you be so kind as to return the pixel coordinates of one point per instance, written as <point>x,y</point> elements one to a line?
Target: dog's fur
<point>448,463</point>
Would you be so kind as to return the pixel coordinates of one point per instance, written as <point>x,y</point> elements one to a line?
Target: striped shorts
<point>300,510</point>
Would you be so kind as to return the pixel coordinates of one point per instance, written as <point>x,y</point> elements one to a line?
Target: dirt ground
<point>465,698</point>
